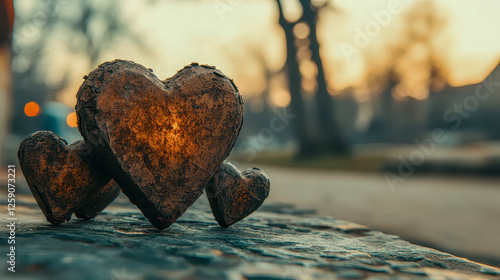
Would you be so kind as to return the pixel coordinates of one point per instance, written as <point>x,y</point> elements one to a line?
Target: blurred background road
<point>447,213</point>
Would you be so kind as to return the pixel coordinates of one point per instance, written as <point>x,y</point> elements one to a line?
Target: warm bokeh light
<point>71,120</point>
<point>308,69</point>
<point>301,30</point>
<point>304,54</point>
<point>280,98</point>
<point>332,91</point>
<point>421,93</point>
<point>32,109</point>
<point>292,10</point>
<point>302,43</point>
<point>309,85</point>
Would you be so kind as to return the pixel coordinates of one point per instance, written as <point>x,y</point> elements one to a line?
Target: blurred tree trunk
<point>329,138</point>
<point>387,110</point>
<point>6,25</point>
<point>328,126</point>
<point>305,143</point>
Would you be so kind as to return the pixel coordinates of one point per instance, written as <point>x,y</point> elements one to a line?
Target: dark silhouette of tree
<point>6,22</point>
<point>6,25</point>
<point>324,104</point>
<point>305,143</point>
<point>328,137</point>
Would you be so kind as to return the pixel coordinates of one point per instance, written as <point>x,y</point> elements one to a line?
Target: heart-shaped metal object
<point>61,177</point>
<point>98,201</point>
<point>160,140</point>
<point>233,195</point>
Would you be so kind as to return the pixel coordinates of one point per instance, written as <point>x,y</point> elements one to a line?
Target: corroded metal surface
<point>233,195</point>
<point>98,201</point>
<point>160,140</point>
<point>276,242</point>
<point>61,177</point>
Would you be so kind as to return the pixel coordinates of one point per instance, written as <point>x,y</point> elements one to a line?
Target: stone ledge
<point>277,242</point>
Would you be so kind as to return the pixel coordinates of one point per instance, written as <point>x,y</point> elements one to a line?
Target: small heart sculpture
<point>233,194</point>
<point>61,177</point>
<point>160,140</point>
<point>98,201</point>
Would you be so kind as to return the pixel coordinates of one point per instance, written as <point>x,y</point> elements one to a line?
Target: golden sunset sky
<point>242,37</point>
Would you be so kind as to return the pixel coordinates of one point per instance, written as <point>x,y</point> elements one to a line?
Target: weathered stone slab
<point>160,140</point>
<point>276,242</point>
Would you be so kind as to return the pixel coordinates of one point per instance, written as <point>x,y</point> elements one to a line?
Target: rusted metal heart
<point>61,177</point>
<point>160,140</point>
<point>98,201</point>
<point>233,195</point>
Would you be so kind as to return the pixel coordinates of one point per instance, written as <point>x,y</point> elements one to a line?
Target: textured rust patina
<point>61,177</point>
<point>160,140</point>
<point>233,194</point>
<point>98,201</point>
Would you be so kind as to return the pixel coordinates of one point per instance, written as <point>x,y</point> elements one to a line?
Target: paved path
<point>457,215</point>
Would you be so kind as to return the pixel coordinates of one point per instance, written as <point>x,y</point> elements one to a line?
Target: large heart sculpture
<point>61,177</point>
<point>160,140</point>
<point>233,194</point>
